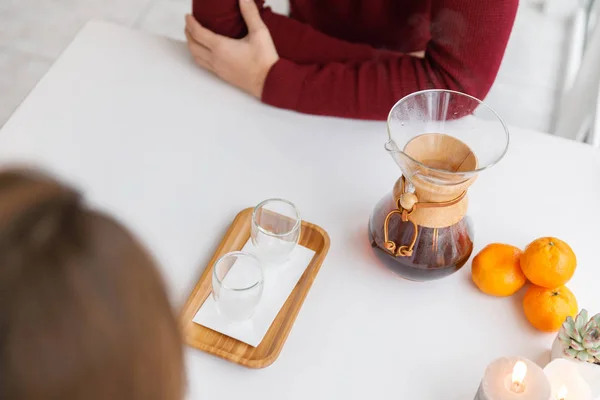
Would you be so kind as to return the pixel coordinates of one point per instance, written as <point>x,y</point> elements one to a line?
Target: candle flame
<point>562,393</point>
<point>519,372</point>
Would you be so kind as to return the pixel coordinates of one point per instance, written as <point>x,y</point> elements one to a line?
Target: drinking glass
<point>237,285</point>
<point>275,230</point>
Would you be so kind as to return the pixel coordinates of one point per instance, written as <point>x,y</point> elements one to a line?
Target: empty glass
<point>275,230</point>
<point>237,285</point>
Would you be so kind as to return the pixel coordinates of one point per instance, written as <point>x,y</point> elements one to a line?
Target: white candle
<point>513,378</point>
<point>562,393</point>
<point>565,381</point>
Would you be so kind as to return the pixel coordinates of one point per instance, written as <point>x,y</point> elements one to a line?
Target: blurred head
<point>83,311</point>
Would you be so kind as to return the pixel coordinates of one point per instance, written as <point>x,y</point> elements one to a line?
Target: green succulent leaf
<point>564,337</point>
<point>584,356</point>
<point>571,353</point>
<point>577,346</point>
<point>591,339</point>
<point>588,345</point>
<point>569,327</point>
<point>594,352</point>
<point>591,324</point>
<point>597,319</point>
<point>581,321</point>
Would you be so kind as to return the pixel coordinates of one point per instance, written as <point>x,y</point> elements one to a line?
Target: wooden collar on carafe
<point>436,205</point>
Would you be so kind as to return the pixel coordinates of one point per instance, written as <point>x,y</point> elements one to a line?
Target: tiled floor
<point>34,32</point>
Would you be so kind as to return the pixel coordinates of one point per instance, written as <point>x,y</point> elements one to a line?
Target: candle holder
<point>513,378</point>
<point>566,382</point>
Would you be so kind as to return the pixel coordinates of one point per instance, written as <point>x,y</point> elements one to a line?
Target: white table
<point>176,154</point>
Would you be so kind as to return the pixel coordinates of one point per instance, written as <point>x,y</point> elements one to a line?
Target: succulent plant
<point>580,337</point>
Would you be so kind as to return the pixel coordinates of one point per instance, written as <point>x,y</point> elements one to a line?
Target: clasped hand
<point>244,62</point>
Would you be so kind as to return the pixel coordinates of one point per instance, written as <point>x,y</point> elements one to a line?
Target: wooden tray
<point>205,339</point>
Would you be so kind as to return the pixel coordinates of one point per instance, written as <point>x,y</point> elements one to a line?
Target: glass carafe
<point>441,140</point>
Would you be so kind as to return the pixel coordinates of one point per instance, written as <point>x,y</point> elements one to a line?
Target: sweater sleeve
<point>468,40</point>
<point>464,54</point>
<point>294,40</point>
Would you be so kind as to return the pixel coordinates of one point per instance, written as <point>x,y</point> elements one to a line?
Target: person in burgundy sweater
<point>351,58</point>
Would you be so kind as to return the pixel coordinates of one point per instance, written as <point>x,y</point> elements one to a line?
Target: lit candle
<point>565,381</point>
<point>513,378</point>
<point>518,377</point>
<point>562,393</point>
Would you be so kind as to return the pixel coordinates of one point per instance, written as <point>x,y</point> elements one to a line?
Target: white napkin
<point>280,281</point>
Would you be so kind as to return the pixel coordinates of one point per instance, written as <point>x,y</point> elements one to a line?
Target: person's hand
<point>244,63</point>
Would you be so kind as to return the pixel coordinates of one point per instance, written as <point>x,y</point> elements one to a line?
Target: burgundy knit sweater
<point>346,57</point>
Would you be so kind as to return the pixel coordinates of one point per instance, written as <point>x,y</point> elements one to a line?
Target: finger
<point>200,34</point>
<point>198,51</point>
<point>251,15</point>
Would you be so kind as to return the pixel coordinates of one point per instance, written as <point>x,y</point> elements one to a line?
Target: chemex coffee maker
<point>441,140</point>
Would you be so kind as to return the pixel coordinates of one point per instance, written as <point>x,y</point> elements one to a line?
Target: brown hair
<point>83,311</point>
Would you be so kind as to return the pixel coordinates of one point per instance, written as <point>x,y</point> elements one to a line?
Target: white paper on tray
<point>280,281</point>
